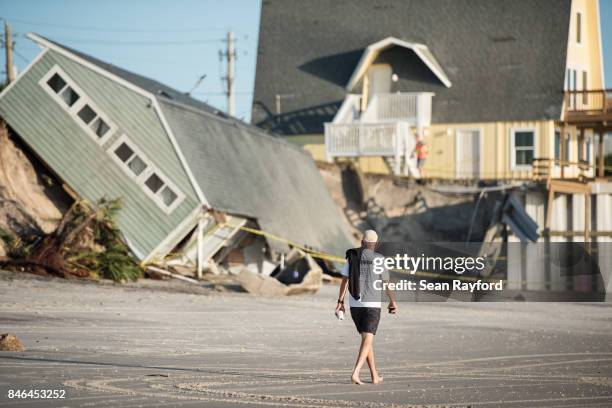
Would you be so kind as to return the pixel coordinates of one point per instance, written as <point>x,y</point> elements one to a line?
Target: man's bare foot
<point>377,380</point>
<point>356,380</point>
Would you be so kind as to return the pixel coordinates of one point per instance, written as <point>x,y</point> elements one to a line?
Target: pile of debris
<point>298,274</point>
<point>85,243</point>
<point>43,229</point>
<point>236,253</point>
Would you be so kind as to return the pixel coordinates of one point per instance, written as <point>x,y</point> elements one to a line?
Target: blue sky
<point>174,42</point>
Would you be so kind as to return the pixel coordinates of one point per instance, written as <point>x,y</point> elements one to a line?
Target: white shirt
<point>356,303</point>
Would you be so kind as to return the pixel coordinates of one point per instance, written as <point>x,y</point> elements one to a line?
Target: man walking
<point>365,301</point>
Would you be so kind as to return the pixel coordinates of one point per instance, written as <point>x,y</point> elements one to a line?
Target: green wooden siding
<point>85,165</point>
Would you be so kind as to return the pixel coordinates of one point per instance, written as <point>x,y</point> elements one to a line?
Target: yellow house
<point>496,89</point>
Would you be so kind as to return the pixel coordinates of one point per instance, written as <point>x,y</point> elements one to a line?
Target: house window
<point>139,168</point>
<point>579,28</point>
<point>523,148</point>
<point>168,196</point>
<point>56,83</point>
<point>557,145</point>
<point>130,159</point>
<point>585,95</point>
<point>571,84</point>
<point>588,150</point>
<point>124,152</point>
<point>66,93</point>
<point>87,114</point>
<point>154,183</point>
<point>79,106</point>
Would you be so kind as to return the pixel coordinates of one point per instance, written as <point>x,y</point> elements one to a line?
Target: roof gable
<point>372,51</point>
<point>123,77</point>
<point>148,85</point>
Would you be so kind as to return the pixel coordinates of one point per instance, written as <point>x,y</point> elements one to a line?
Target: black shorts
<point>366,319</point>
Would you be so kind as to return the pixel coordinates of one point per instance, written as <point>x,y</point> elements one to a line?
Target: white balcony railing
<point>413,107</point>
<point>383,129</point>
<point>364,139</point>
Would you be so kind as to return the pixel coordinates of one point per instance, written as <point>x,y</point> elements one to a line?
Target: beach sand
<point>174,344</point>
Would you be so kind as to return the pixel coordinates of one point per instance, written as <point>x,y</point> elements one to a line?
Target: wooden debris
<point>85,243</point>
<point>160,271</point>
<point>262,285</point>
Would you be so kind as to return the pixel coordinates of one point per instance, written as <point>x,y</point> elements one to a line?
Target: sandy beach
<point>172,344</point>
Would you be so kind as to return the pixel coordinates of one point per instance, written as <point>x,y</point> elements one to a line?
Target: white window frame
<point>142,177</point>
<point>574,34</point>
<point>82,101</point>
<point>513,131</point>
<point>576,101</point>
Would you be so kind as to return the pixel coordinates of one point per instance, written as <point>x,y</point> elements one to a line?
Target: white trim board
<point>373,50</point>
<point>178,233</point>
<point>22,73</point>
<point>49,45</point>
<point>45,43</point>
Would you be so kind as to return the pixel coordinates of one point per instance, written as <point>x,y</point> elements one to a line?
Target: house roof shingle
<point>244,171</point>
<point>505,59</point>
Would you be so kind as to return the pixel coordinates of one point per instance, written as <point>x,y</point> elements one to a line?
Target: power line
<point>112,29</point>
<point>222,93</point>
<point>138,43</point>
<point>219,96</point>
<point>24,59</point>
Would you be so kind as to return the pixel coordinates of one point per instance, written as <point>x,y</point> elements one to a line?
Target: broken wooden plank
<point>172,275</point>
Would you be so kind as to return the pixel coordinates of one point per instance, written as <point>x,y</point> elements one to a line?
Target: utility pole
<point>8,46</point>
<point>230,55</point>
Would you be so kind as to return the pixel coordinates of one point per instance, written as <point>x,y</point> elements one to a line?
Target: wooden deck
<point>589,108</point>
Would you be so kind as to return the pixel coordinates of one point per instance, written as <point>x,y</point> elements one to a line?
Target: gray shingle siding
<point>243,171</point>
<point>505,59</point>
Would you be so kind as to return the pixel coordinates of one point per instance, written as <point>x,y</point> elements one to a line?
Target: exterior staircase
<point>384,129</point>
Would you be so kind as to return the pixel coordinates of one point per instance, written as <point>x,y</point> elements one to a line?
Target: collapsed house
<point>191,179</point>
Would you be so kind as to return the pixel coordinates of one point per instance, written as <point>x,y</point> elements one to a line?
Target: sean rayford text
<point>443,286</point>
<point>428,263</point>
